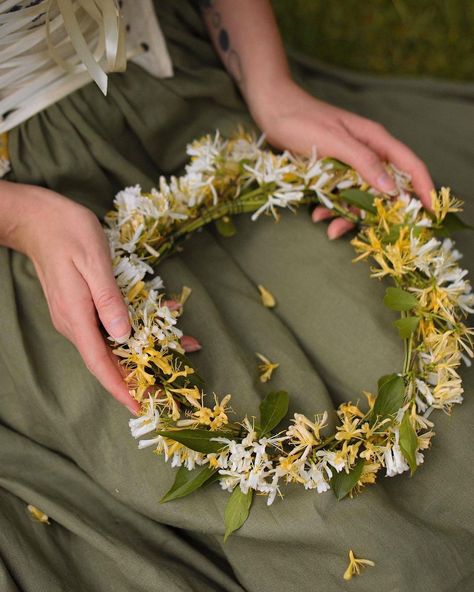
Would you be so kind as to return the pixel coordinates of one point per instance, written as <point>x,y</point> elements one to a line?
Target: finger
<point>365,160</point>
<point>392,150</point>
<point>108,300</point>
<point>339,227</point>
<point>321,213</point>
<point>173,305</point>
<point>86,336</point>
<point>95,354</point>
<point>190,344</point>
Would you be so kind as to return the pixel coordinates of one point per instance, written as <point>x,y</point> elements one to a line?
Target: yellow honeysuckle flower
<point>160,360</point>
<point>355,564</point>
<point>168,402</point>
<point>266,368</point>
<point>349,429</point>
<point>350,409</point>
<point>268,300</point>
<point>289,466</point>
<point>442,203</point>
<point>38,514</point>
<point>304,433</point>
<point>185,294</point>
<point>388,216</point>
<point>370,398</point>
<point>135,290</point>
<point>192,395</point>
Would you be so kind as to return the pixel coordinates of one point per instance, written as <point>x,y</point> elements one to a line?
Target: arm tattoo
<point>221,36</point>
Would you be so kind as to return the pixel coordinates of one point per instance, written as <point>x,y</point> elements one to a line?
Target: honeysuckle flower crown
<point>404,243</point>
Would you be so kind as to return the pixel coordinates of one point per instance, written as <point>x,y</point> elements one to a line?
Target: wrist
<point>272,100</point>
<point>21,207</point>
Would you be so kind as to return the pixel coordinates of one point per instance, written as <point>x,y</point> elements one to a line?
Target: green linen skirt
<point>64,442</point>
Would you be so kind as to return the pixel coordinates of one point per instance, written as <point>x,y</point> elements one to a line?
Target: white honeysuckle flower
<point>155,284</point>
<point>131,201</point>
<point>419,457</point>
<point>432,377</point>
<point>395,462</point>
<point>245,149</point>
<point>229,482</point>
<point>317,188</point>
<point>129,270</point>
<point>271,168</point>
<point>345,184</point>
<point>279,199</point>
<point>131,245</point>
<point>428,412</point>
<point>188,458</point>
<point>425,222</point>
<point>449,250</point>
<point>151,442</point>
<point>422,252</point>
<point>271,489</point>
<point>329,457</point>
<point>146,423</point>
<point>425,391</point>
<point>412,207</point>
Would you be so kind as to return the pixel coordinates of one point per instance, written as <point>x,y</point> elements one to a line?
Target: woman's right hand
<point>69,250</point>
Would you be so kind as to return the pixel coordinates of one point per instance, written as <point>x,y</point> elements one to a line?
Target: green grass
<point>403,37</point>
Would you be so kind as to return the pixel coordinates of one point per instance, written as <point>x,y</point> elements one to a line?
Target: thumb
<point>109,302</point>
<point>368,164</point>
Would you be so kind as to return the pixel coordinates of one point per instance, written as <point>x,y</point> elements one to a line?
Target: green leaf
<point>237,510</point>
<point>337,164</point>
<point>407,326</point>
<point>193,379</point>
<point>186,482</point>
<point>342,483</point>
<point>272,410</point>
<point>198,440</point>
<point>361,199</point>
<point>225,226</point>
<point>452,223</point>
<point>394,233</point>
<point>408,442</point>
<point>398,299</point>
<point>391,392</point>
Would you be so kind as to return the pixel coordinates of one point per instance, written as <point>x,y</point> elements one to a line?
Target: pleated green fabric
<point>64,442</point>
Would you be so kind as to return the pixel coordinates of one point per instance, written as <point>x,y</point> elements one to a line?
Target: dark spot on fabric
<point>145,46</point>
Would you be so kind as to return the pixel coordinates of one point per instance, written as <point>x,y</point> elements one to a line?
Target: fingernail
<point>332,235</point>
<point>386,183</point>
<point>119,329</point>
<point>190,344</point>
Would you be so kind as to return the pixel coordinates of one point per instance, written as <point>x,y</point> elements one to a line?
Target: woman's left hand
<point>292,119</point>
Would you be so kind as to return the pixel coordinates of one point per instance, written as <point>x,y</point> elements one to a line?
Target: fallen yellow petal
<point>38,514</point>
<point>354,565</point>
<point>266,368</point>
<point>268,299</point>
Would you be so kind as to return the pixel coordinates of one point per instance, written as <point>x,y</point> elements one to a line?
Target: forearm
<point>247,39</point>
